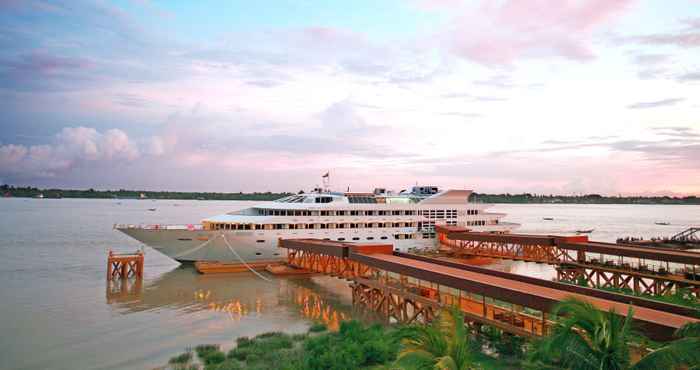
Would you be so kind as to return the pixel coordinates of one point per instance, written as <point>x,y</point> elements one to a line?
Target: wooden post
<point>109,265</point>
<point>544,315</point>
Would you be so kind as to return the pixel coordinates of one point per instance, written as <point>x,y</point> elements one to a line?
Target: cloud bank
<point>100,94</point>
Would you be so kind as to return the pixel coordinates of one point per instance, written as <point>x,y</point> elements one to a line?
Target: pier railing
<point>642,270</point>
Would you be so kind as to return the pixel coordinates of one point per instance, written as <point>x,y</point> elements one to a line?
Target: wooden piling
<point>125,266</point>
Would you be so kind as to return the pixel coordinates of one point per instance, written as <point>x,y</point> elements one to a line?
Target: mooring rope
<point>241,259</point>
<point>194,249</point>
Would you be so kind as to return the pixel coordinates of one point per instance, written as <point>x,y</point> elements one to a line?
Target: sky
<point>539,96</point>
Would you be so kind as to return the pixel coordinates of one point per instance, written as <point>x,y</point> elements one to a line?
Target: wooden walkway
<point>412,290</point>
<point>643,270</point>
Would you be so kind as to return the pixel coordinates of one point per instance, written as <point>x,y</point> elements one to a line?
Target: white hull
<point>261,245</point>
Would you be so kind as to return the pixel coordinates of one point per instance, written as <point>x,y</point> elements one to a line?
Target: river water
<point>58,312</point>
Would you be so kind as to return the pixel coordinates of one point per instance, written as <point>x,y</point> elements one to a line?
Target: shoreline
<point>9,191</point>
<point>253,197</point>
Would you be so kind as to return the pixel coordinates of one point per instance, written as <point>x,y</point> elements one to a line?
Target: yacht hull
<point>250,246</point>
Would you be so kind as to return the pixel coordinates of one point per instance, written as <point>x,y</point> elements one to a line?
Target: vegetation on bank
<point>354,346</point>
<point>580,199</point>
<point>581,338</point>
<point>30,192</point>
<point>584,338</point>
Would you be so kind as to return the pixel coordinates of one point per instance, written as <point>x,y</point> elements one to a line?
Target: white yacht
<point>406,219</point>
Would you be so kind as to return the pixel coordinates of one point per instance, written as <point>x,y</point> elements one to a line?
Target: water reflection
<point>532,269</point>
<point>236,296</point>
<point>317,301</point>
<point>124,290</point>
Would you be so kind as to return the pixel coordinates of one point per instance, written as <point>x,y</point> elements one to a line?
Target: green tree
<point>684,351</point>
<point>444,344</point>
<point>585,338</point>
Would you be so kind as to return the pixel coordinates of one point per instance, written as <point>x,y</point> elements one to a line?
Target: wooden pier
<point>407,288</point>
<point>684,240</point>
<point>642,270</point>
<point>125,266</point>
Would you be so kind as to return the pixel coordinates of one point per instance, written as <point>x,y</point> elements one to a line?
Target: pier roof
<point>518,292</point>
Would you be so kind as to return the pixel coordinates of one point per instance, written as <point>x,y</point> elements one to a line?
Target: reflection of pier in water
<point>322,303</point>
<point>123,290</point>
<point>236,295</point>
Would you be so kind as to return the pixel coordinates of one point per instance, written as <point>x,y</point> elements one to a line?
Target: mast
<point>326,181</point>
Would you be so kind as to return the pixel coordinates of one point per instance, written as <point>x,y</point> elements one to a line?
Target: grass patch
<point>354,346</point>
<point>214,358</point>
<point>243,342</point>
<point>261,348</point>
<point>318,327</point>
<point>270,334</point>
<point>204,349</point>
<point>211,356</point>
<point>299,337</point>
<point>181,359</point>
<point>226,365</point>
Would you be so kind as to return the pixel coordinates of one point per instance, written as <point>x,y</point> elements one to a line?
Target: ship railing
<point>190,227</point>
<point>494,214</point>
<point>509,224</point>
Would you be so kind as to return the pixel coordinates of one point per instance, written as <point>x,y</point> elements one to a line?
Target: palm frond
<point>577,352</point>
<point>681,352</point>
<point>584,337</point>
<point>447,363</point>
<point>691,329</point>
<point>426,338</point>
<point>415,359</point>
<point>444,342</point>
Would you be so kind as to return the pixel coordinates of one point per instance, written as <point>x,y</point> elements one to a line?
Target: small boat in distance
<point>584,231</point>
<point>152,209</point>
<point>548,218</point>
<point>662,223</point>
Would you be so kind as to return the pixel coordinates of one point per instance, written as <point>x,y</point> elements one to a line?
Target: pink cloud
<point>685,40</point>
<point>72,147</point>
<point>504,32</point>
<point>12,154</point>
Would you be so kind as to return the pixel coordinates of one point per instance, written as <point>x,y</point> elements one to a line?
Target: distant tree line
<point>581,199</point>
<point>31,192</point>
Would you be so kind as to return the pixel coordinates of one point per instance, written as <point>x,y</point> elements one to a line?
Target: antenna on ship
<point>326,181</point>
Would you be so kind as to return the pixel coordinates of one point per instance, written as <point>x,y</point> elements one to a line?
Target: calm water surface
<point>56,310</point>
